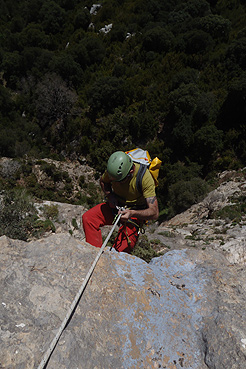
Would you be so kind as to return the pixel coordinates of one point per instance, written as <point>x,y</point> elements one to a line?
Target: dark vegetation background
<point>168,77</point>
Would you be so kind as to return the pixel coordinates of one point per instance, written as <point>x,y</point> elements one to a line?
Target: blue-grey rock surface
<point>185,309</point>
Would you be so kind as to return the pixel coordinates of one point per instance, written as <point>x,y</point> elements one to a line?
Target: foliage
<point>51,211</point>
<point>234,213</point>
<point>17,214</point>
<point>183,194</point>
<point>41,226</point>
<point>157,39</point>
<point>169,76</point>
<point>106,94</point>
<point>144,249</point>
<point>52,16</point>
<point>92,197</point>
<point>75,224</point>
<point>54,100</point>
<point>217,26</point>
<point>208,141</point>
<point>189,109</point>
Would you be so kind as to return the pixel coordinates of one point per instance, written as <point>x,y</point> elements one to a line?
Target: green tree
<point>36,61</point>
<point>157,39</point>
<point>179,18</point>
<point>189,109</point>
<point>99,155</point>
<point>6,103</point>
<point>236,54</point>
<point>232,113</point>
<point>12,64</point>
<point>205,110</point>
<point>142,126</point>
<point>178,132</point>
<point>52,16</point>
<point>7,141</point>
<point>33,35</point>
<point>17,24</point>
<point>186,76</point>
<point>80,54</point>
<point>69,70</point>
<point>4,12</point>
<point>95,49</point>
<point>180,171</point>
<point>29,10</point>
<point>113,128</point>
<point>207,142</point>
<point>106,94</point>
<point>54,101</point>
<point>196,8</point>
<point>231,118</point>
<point>118,33</point>
<point>216,25</point>
<point>197,41</point>
<point>183,194</point>
<point>82,19</point>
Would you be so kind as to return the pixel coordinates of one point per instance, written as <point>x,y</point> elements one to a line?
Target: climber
<point>122,197</point>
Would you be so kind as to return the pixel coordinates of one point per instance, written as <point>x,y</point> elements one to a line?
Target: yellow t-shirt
<point>127,193</point>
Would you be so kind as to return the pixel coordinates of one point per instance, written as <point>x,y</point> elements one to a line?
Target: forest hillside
<point>80,80</point>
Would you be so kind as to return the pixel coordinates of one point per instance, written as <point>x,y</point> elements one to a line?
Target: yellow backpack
<point>143,158</point>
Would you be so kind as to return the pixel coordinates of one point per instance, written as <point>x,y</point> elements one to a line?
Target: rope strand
<point>51,348</point>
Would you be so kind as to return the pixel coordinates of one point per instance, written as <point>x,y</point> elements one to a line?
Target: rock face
<point>196,228</point>
<point>185,309</point>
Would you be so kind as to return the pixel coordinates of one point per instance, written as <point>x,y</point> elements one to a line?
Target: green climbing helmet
<point>119,165</point>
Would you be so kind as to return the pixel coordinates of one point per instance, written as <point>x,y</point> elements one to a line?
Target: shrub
<point>42,226</point>
<point>216,25</point>
<point>31,180</point>
<point>17,214</point>
<point>75,224</point>
<point>208,141</point>
<point>233,213</point>
<point>48,169</point>
<point>106,94</point>
<point>54,98</point>
<point>81,181</point>
<point>9,168</point>
<point>157,39</point>
<point>197,41</point>
<point>183,194</point>
<point>144,250</point>
<point>51,211</point>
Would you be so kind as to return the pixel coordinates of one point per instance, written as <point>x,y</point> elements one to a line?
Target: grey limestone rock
<point>184,309</point>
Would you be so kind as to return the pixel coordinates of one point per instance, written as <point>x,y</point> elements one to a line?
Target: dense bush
<point>106,94</point>
<point>17,215</point>
<point>231,213</point>
<point>169,76</point>
<point>157,39</point>
<point>144,249</point>
<point>183,194</point>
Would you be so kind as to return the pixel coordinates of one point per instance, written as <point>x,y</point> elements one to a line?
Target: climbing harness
<point>76,300</point>
<point>138,227</point>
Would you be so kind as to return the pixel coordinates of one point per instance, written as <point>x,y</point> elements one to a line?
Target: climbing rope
<point>76,300</point>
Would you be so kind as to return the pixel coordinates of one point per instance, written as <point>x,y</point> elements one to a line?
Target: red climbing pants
<point>101,215</point>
